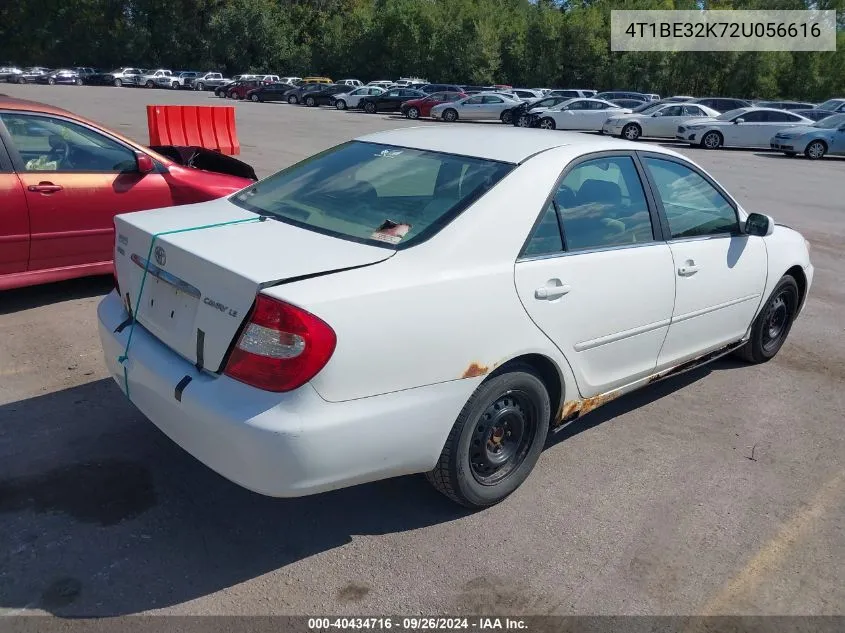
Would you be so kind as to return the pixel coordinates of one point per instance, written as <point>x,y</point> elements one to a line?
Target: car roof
<point>500,143</point>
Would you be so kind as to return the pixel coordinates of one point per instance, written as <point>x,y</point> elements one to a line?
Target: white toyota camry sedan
<point>436,300</point>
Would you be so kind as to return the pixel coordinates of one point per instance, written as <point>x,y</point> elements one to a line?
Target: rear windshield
<point>382,195</point>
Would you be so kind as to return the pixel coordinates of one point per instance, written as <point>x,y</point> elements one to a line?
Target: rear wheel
<point>450,115</point>
<point>254,98</point>
<point>149,84</point>
<point>370,107</point>
<point>711,140</point>
<point>51,81</point>
<point>815,150</point>
<point>772,325</point>
<point>412,112</point>
<point>547,123</point>
<point>293,100</point>
<point>506,117</point>
<point>496,440</point>
<point>200,86</point>
<point>340,104</point>
<point>234,95</point>
<point>631,131</point>
<point>310,102</point>
<point>523,121</point>
<point>174,85</point>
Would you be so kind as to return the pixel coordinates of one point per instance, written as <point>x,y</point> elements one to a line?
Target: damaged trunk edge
<point>206,160</point>
<point>571,410</point>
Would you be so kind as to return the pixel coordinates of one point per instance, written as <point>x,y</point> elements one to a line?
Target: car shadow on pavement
<point>797,157</point>
<point>101,514</point>
<point>35,296</point>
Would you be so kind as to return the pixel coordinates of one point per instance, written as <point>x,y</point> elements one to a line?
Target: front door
<point>720,272</point>
<point>14,219</point>
<point>594,278</point>
<point>76,180</point>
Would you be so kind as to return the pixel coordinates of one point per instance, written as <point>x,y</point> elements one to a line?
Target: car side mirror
<point>145,163</point>
<point>759,224</point>
<point>740,120</point>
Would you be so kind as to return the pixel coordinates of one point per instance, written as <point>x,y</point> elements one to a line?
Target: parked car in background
<point>416,108</point>
<point>9,72</point>
<point>661,122</point>
<point>317,80</point>
<point>577,114</point>
<point>524,93</point>
<point>28,75</point>
<point>239,89</point>
<point>85,72</point>
<point>833,105</point>
<point>296,94</point>
<point>268,92</point>
<point>383,83</point>
<point>158,78</point>
<point>570,93</point>
<point>743,127</point>
<point>814,141</point>
<point>602,283</point>
<point>652,96</point>
<point>323,96</point>
<point>389,101</point>
<point>184,79</point>
<point>63,180</point>
<point>350,82</point>
<point>785,105</point>
<point>291,81</point>
<point>61,76</point>
<point>721,104</point>
<point>814,114</point>
<point>204,81</point>
<point>621,94</point>
<point>352,99</point>
<point>629,103</point>
<point>485,106</point>
<point>268,79</point>
<point>519,113</point>
<point>432,88</point>
<point>410,81</point>
<point>677,99</point>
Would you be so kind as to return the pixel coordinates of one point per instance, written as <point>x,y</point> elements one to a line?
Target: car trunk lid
<point>206,266</point>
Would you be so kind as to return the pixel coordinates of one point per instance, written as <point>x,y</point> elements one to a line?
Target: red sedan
<point>63,179</point>
<point>415,108</point>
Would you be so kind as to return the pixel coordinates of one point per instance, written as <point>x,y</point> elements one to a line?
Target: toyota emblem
<point>161,256</point>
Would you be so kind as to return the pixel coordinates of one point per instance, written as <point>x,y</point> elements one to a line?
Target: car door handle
<point>553,289</point>
<point>688,269</point>
<point>45,187</point>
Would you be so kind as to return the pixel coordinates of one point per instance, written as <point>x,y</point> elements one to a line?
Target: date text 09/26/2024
<point>401,624</point>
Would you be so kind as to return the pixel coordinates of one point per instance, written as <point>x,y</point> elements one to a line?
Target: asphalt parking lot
<point>718,492</point>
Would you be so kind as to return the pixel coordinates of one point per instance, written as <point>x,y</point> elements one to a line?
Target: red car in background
<point>240,88</point>
<point>415,108</point>
<point>63,179</point>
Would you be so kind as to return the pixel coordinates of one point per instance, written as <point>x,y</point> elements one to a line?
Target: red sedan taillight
<point>281,348</point>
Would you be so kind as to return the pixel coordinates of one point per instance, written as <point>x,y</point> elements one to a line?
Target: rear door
<point>14,218</point>
<point>596,276</point>
<point>76,179</point>
<point>472,108</point>
<point>720,273</point>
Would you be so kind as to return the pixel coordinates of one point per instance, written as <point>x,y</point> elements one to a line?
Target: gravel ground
<point>650,505</point>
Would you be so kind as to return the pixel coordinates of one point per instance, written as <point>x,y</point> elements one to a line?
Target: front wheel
<point>412,112</point>
<point>496,440</point>
<point>370,107</point>
<point>118,83</point>
<point>149,84</point>
<point>772,325</point>
<point>254,98</point>
<point>507,117</point>
<point>547,123</point>
<point>310,102</point>
<point>815,150</point>
<point>340,104</point>
<point>711,140</point>
<point>51,81</point>
<point>200,86</point>
<point>631,132</point>
<point>450,115</point>
<point>293,100</point>
<point>174,85</point>
<point>523,121</point>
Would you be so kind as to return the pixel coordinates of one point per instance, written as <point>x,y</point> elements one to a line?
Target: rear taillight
<point>281,348</point>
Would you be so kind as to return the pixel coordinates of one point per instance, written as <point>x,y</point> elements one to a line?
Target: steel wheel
<point>815,150</point>
<point>777,319</point>
<point>773,323</point>
<point>631,131</point>
<point>711,140</point>
<point>502,437</point>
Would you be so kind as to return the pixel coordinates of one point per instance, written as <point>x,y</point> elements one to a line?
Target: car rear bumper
<point>279,444</point>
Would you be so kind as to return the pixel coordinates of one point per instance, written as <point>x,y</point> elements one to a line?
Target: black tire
<point>254,98</point>
<point>118,83</point>
<point>174,85</point>
<point>412,113</point>
<point>547,123</point>
<point>235,96</point>
<point>772,325</point>
<point>631,132</point>
<point>370,107</point>
<point>450,115</point>
<point>200,86</point>
<point>293,100</point>
<point>51,81</point>
<point>523,121</point>
<point>149,84</point>
<point>310,102</point>
<point>712,140</point>
<point>815,150</point>
<point>340,104</point>
<point>479,475</point>
<point>78,81</point>
<point>506,117</point>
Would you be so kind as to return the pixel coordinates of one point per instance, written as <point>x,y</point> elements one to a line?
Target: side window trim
<point>660,232</point>
<point>6,165</point>
<point>19,164</point>
<point>664,220</point>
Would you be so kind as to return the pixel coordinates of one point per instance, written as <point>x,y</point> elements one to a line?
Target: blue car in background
<point>61,76</point>
<point>826,136</point>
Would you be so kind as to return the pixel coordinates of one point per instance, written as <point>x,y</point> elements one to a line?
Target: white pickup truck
<point>158,78</point>
<point>210,80</point>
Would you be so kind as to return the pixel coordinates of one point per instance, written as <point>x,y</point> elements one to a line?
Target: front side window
<point>692,205</point>
<point>474,101</point>
<point>578,105</point>
<point>492,99</point>
<point>673,111</point>
<point>378,194</point>
<point>50,144</point>
<point>602,203</point>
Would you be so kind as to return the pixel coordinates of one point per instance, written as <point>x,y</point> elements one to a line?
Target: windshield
<point>730,114</point>
<point>830,122</point>
<point>376,194</point>
<point>831,104</point>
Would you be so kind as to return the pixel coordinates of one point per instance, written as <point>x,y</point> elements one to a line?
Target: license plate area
<point>168,312</point>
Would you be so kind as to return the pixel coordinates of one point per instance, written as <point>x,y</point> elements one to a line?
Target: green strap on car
<point>134,312</point>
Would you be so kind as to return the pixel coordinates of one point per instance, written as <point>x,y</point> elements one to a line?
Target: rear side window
<point>546,239</point>
<point>378,194</point>
<point>692,205</point>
